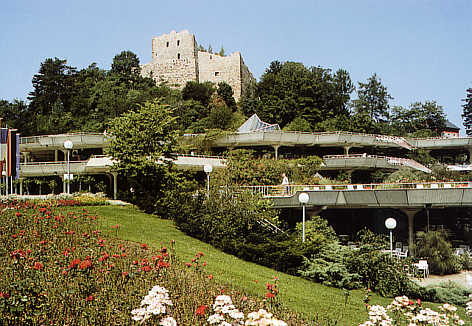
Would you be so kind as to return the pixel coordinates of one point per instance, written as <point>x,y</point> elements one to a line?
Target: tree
<point>420,118</point>
<point>198,91</point>
<point>52,94</point>
<point>222,51</point>
<point>225,91</point>
<point>467,112</point>
<point>126,63</point>
<point>142,143</point>
<point>290,90</point>
<point>373,99</point>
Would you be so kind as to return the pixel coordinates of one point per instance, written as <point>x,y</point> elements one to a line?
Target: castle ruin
<point>177,60</point>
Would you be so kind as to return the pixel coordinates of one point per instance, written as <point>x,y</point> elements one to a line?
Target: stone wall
<point>175,60</point>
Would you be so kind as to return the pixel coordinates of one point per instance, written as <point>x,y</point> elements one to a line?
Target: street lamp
<point>390,224</point>
<point>208,168</point>
<point>68,145</point>
<point>303,198</point>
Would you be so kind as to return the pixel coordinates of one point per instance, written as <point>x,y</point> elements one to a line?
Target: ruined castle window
<point>167,44</point>
<point>178,55</point>
<point>217,73</point>
<point>178,42</point>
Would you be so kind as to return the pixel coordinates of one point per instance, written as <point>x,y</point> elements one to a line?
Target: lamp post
<point>390,224</point>
<point>208,168</point>
<point>68,145</point>
<point>303,198</point>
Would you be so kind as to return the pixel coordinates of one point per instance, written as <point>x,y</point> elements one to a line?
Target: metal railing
<point>290,190</point>
<point>36,139</point>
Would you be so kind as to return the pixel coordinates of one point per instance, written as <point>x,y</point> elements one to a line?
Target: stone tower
<point>176,60</point>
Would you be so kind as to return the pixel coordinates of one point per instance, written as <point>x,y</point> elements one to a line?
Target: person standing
<point>285,184</point>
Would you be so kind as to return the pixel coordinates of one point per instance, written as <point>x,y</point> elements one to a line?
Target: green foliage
<point>298,124</point>
<point>467,112</point>
<point>420,120</point>
<point>317,232</point>
<point>220,115</point>
<point>289,90</point>
<point>225,91</point>
<point>406,176</point>
<point>142,145</point>
<point>243,168</point>
<point>434,247</point>
<point>329,268</point>
<point>126,64</point>
<point>373,99</point>
<point>200,92</point>
<point>449,292</point>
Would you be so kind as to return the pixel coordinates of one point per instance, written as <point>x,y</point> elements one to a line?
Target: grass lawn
<point>312,299</point>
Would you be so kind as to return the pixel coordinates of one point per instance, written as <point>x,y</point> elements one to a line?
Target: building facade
<point>176,60</point>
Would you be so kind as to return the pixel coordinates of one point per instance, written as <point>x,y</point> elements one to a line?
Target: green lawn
<point>297,294</point>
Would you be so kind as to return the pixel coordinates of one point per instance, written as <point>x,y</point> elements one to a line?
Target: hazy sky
<point>422,49</point>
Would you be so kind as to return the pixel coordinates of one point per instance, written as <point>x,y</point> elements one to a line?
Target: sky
<point>421,49</point>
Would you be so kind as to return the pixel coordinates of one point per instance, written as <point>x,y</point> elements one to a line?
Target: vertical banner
<point>17,163</point>
<point>11,153</point>
<point>8,158</point>
<point>3,143</point>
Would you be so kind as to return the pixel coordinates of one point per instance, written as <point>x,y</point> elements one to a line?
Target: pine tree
<point>467,112</point>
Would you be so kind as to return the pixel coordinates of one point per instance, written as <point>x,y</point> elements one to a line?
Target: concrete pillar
<point>346,150</point>
<point>276,150</point>
<point>55,155</point>
<point>410,213</point>
<point>21,186</point>
<point>115,184</point>
<point>26,156</point>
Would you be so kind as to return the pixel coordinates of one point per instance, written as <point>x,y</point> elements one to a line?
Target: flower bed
<point>58,268</point>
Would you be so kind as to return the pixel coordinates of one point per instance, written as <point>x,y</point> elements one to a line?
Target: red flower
<point>89,298</point>
<point>18,214</point>
<point>147,268</point>
<point>125,274</point>
<point>38,266</point>
<point>4,295</point>
<point>418,301</point>
<point>74,263</point>
<point>188,264</point>
<point>210,277</point>
<point>162,264</point>
<point>201,310</point>
<point>86,263</point>
<point>144,246</point>
<point>270,295</point>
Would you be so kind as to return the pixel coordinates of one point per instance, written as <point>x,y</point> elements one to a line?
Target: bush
<point>449,292</point>
<point>434,247</point>
<point>329,268</point>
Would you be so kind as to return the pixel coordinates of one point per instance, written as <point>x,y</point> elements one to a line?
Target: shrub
<point>449,292</point>
<point>434,247</point>
<point>329,268</point>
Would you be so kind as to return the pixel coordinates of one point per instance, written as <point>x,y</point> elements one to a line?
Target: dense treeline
<point>295,96</point>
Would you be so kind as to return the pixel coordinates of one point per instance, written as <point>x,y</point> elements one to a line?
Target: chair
<point>422,265</point>
<point>402,254</point>
<point>398,245</point>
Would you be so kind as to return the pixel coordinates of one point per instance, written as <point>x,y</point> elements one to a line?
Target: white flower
<point>216,318</point>
<point>168,321</point>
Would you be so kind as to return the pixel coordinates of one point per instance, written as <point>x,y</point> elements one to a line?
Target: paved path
<point>463,278</point>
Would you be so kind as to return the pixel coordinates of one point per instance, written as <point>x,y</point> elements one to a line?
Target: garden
<point>67,263</point>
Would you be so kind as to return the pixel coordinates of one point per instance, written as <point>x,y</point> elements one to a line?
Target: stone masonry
<point>176,60</point>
